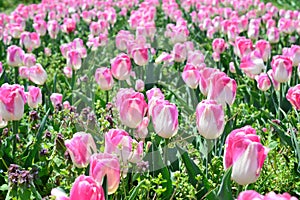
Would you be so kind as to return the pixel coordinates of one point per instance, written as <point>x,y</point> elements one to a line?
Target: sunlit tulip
<point>263,82</point>
<point>53,28</point>
<point>179,52</point>
<point>121,67</point>
<point>56,99</point>
<point>12,100</point>
<point>282,67</point>
<point>105,164</point>
<point>37,74</point>
<point>191,76</point>
<point>85,187</point>
<point>34,96</point>
<point>264,48</point>
<point>293,96</point>
<point>29,60</point>
<point>74,59</point>
<point>210,119</point>
<point>104,78</point>
<point>139,85</point>
<point>252,64</point>
<point>246,155</point>
<point>80,148</point>
<point>15,56</point>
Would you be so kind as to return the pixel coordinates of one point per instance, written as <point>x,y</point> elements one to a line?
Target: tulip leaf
<point>281,133</point>
<point>194,171</point>
<point>296,147</point>
<point>135,190</point>
<point>105,187</point>
<point>225,192</point>
<point>32,154</point>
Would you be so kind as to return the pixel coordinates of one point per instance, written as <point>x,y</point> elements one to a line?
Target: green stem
<point>16,74</point>
<point>167,140</point>
<point>279,102</point>
<point>72,85</point>
<point>15,132</point>
<point>107,96</point>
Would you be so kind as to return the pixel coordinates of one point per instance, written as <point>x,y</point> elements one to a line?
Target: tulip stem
<point>15,132</point>
<point>107,96</point>
<point>167,140</point>
<point>72,85</point>
<point>16,74</point>
<point>279,102</point>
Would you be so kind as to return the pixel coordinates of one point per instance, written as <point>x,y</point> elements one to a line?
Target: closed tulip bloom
<point>12,100</point>
<point>293,96</point>
<point>274,196</point>
<point>85,187</point>
<point>121,66</point>
<point>40,27</point>
<point>195,58</point>
<point>80,148</point>
<point>139,85</point>
<point>219,45</point>
<point>246,155</point>
<point>142,129</point>
<point>165,118</point>
<point>104,78</point>
<point>273,35</point>
<point>56,99</point>
<point>37,74</point>
<point>252,64</point>
<point>205,75</point>
<point>15,56</point>
<point>29,60</point>
<point>264,48</point>
<point>53,28</point>
<point>140,55</point>
<point>34,96</point>
<point>179,52</point>
<point>250,195</point>
<point>243,46</point>
<point>294,54</point>
<point>133,110</point>
<point>102,164</point>
<point>191,76</point>
<point>210,119</point>
<point>69,25</point>
<point>282,67</point>
<point>74,59</point>
<point>263,82</point>
<point>122,39</point>
<point>59,194</point>
<point>275,83</point>
<point>68,71</point>
<point>30,41</point>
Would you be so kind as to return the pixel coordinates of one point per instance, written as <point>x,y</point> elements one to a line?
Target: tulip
<point>246,155</point>
<point>40,27</point>
<point>37,74</point>
<point>15,56</point>
<point>104,78</point>
<point>12,100</point>
<point>210,119</point>
<point>56,99</point>
<point>293,96</point>
<point>139,85</point>
<point>142,129</point>
<point>232,67</point>
<point>29,60</point>
<point>219,45</point>
<point>282,67</point>
<point>80,148</point>
<point>252,64</point>
<point>69,25</point>
<point>179,52</point>
<point>140,55</point>
<point>85,187</point>
<point>105,164</point>
<point>264,48</point>
<point>34,96</point>
<point>250,195</point>
<point>74,59</point>
<point>243,46</point>
<point>293,53</point>
<point>59,194</point>
<point>205,75</point>
<point>95,28</point>
<point>68,72</point>
<point>273,35</point>
<point>191,76</point>
<point>47,52</point>
<point>122,39</point>
<point>121,66</point>
<point>263,82</point>
<point>133,110</point>
<point>165,118</point>
<point>30,41</point>
<point>53,28</point>
<point>274,196</point>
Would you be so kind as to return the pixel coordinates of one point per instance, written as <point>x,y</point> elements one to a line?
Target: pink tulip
<point>222,89</point>
<point>253,32</point>
<point>142,129</point>
<point>191,76</point>
<point>68,71</point>
<point>219,45</point>
<point>210,119</point>
<point>166,58</point>
<point>274,196</point>
<point>264,48</point>
<point>85,187</point>
<point>12,100</point>
<point>179,52</point>
<point>102,164</point>
<point>250,195</point>
<point>80,148</point>
<point>282,67</point>
<point>121,66</point>
<point>56,99</point>
<point>122,39</point>
<point>59,194</point>
<point>37,74</point>
<point>276,84</point>
<point>273,35</point>
<point>34,96</point>
<point>74,59</point>
<point>95,28</point>
<point>139,85</point>
<point>29,60</point>
<point>133,109</point>
<point>293,96</point>
<point>263,82</point>
<point>252,64</point>
<point>15,56</point>
<point>243,46</point>
<point>293,53</point>
<point>30,41</point>
<point>165,118</point>
<point>104,78</point>
<point>195,58</point>
<point>53,28</point>
<point>40,27</point>
<point>246,155</point>
<point>47,52</point>
<point>232,67</point>
<point>205,75</point>
<point>140,55</point>
<point>69,25</point>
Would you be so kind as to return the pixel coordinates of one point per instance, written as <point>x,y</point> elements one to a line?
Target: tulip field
<point>149,99</point>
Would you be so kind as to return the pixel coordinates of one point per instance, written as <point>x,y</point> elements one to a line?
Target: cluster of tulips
<point>245,39</point>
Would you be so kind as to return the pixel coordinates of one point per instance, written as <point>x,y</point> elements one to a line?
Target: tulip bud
<point>40,27</point>
<point>15,56</point>
<point>104,78</point>
<point>264,49</point>
<point>80,148</point>
<point>30,41</point>
<point>219,45</point>
<point>47,52</point>
<point>12,100</point>
<point>191,76</point>
<point>34,96</point>
<point>282,67</point>
<point>165,118</point>
<point>246,155</point>
<point>252,64</point>
<point>210,119</point>
<point>29,60</point>
<point>37,74</point>
<point>293,96</point>
<point>56,98</point>
<point>140,55</point>
<point>142,129</point>
<point>102,164</point>
<point>121,67</point>
<point>180,52</point>
<point>263,82</point>
<point>85,187</point>
<point>68,72</point>
<point>53,28</point>
<point>74,59</point>
<point>139,85</point>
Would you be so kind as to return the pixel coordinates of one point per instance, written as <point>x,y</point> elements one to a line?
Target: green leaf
<point>4,187</point>
<point>135,190</point>
<point>105,187</point>
<point>225,192</point>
